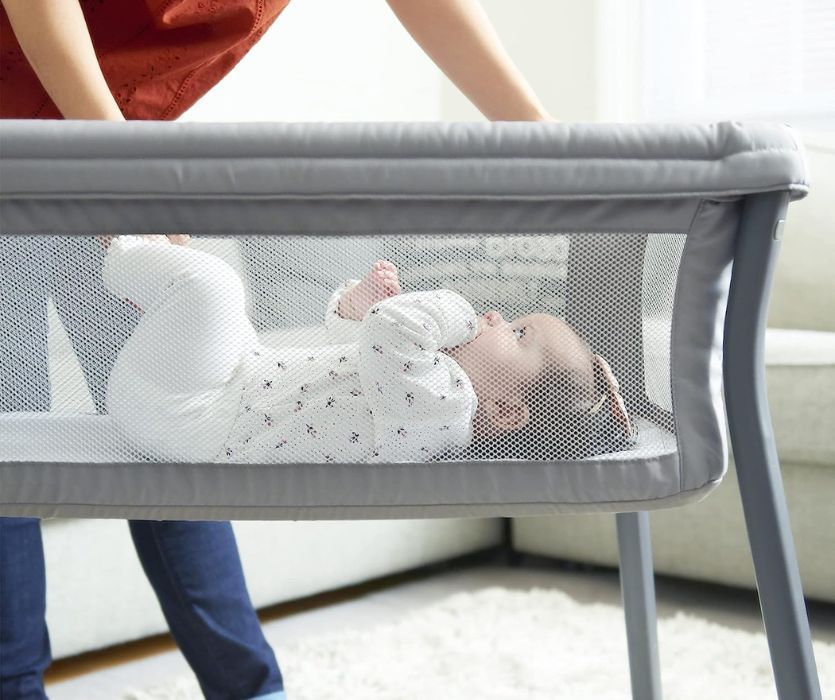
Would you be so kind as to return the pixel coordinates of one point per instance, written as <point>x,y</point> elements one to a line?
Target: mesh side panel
<point>258,349</point>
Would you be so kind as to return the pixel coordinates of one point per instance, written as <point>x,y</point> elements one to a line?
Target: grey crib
<point>656,241</point>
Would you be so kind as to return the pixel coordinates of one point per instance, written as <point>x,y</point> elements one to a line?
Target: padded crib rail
<point>57,159</point>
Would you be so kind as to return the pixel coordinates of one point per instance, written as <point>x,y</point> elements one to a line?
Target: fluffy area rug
<point>499,644</point>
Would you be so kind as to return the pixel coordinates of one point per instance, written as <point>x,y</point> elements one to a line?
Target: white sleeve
<point>422,402</point>
<point>341,330</point>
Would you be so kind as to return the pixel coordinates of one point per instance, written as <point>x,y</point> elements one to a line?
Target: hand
<point>482,324</point>
<point>178,238</point>
<point>380,283</point>
<point>174,238</point>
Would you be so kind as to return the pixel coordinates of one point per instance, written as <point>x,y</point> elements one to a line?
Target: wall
<point>331,60</point>
<point>328,60</point>
<point>553,43</point>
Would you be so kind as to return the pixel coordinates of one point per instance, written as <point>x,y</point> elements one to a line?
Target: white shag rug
<point>500,644</point>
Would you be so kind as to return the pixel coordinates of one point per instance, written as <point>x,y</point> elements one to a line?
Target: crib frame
<point>764,207</point>
<point>760,481</point>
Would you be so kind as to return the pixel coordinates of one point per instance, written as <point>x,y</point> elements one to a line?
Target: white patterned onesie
<point>388,396</point>
<point>194,383</point>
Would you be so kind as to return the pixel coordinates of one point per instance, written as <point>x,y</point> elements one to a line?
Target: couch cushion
<point>800,378</point>
<point>804,286</point>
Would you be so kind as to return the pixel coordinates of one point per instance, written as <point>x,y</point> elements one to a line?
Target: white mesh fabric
<point>575,295</point>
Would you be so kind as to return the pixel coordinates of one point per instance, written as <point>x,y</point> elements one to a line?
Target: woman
<point>153,59</point>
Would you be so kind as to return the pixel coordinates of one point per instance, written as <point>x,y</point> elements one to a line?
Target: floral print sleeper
<point>383,393</point>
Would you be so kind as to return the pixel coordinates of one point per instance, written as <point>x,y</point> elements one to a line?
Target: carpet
<point>500,644</point>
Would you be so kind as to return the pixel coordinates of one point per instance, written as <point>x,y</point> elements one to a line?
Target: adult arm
<point>56,41</point>
<point>459,37</point>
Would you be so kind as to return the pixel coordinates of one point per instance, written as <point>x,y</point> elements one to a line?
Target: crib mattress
<point>85,481</point>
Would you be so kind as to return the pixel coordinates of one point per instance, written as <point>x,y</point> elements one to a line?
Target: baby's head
<point>540,389</point>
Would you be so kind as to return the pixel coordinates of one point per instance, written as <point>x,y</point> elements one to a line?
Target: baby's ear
<point>508,415</point>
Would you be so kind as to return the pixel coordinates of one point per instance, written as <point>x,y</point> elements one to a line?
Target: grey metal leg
<point>758,469</point>
<point>638,591</point>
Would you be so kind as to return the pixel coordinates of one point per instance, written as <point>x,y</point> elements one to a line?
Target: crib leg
<point>638,591</point>
<point>755,455</point>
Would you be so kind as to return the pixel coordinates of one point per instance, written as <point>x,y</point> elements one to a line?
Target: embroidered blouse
<point>158,57</point>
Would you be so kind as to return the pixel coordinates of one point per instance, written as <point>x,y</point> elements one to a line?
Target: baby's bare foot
<point>380,283</point>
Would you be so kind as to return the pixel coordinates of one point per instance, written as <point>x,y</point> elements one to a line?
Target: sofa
<point>97,595</point>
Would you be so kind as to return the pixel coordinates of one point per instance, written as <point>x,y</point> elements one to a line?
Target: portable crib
<point>640,236</point>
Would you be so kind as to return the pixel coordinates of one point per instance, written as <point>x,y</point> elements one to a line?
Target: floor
<point>104,675</point>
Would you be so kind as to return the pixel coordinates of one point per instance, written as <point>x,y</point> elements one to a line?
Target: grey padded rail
<point>52,159</point>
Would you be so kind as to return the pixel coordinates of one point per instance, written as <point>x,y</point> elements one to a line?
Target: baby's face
<point>506,355</point>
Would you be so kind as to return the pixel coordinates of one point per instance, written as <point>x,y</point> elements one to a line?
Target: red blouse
<point>158,56</point>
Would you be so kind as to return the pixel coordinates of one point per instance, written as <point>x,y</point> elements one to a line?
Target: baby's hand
<point>380,283</point>
<point>482,324</point>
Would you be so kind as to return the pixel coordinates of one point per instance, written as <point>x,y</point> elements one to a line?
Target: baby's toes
<point>392,288</point>
<point>382,277</point>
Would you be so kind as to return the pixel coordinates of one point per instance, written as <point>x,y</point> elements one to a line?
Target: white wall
<point>350,60</point>
<point>328,60</point>
<point>554,43</point>
<point>334,60</point>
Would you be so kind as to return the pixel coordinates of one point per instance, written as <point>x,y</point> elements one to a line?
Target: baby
<point>410,377</point>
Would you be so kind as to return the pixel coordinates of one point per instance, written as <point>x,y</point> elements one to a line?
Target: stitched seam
<point>258,14</point>
<point>352,465</point>
<point>411,505</point>
<point>558,196</point>
<point>41,108</point>
<point>533,155</point>
<point>673,333</point>
<point>364,154</point>
<point>177,96</point>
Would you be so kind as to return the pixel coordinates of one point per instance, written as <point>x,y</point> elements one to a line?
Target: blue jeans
<point>195,571</point>
<point>194,567</point>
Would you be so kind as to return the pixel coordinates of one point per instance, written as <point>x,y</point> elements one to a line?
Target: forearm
<point>55,40</point>
<point>459,37</point>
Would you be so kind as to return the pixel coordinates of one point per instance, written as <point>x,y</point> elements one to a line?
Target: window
<point>708,60</point>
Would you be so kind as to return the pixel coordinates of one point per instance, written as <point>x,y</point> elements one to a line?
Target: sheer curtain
<point>739,59</point>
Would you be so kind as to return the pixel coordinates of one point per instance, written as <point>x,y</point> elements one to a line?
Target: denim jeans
<point>193,567</point>
<point>195,571</point>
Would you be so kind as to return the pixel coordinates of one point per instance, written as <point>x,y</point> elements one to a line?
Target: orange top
<point>158,56</point>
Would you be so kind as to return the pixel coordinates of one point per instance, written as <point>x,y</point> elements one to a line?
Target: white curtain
<point>740,59</point>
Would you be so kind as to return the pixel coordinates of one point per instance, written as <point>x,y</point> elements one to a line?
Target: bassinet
<point>640,236</point>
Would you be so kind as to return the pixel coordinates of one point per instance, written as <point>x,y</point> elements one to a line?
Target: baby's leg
<point>195,326</point>
<point>174,386</point>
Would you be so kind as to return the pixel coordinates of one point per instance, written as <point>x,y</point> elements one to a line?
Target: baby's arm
<point>422,402</point>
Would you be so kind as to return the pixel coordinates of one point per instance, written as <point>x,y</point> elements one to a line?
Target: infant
<point>409,377</point>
